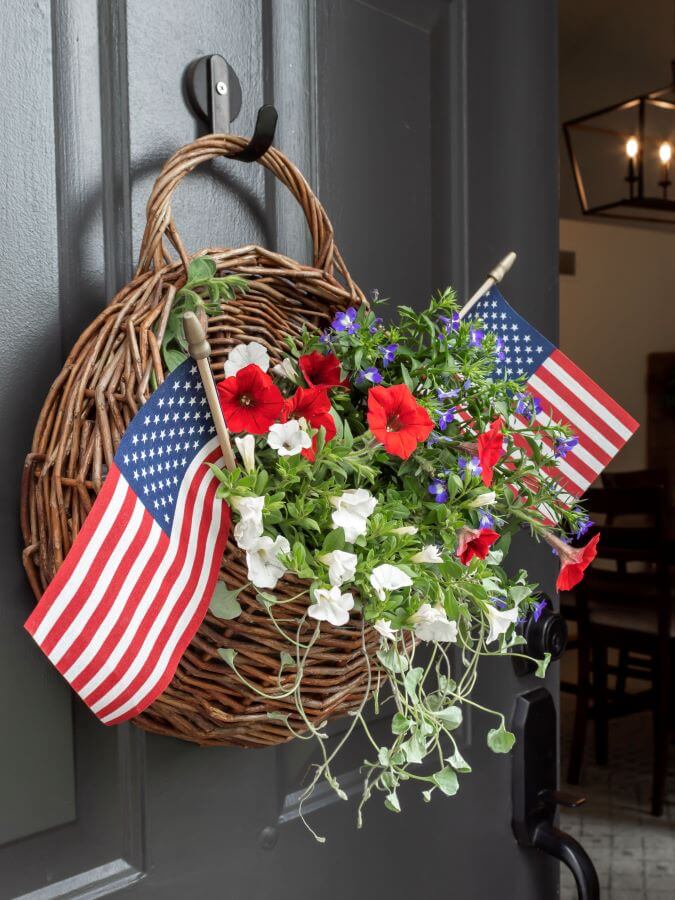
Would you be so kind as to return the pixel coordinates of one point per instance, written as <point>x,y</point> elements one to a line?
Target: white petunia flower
<point>500,621</point>
<point>262,559</point>
<point>428,554</point>
<point>352,510</point>
<point>388,578</point>
<point>246,448</point>
<point>432,624</point>
<point>331,606</point>
<point>288,438</point>
<point>285,369</point>
<point>486,499</point>
<point>341,566</point>
<point>253,354</point>
<point>383,627</point>
<point>250,525</point>
<point>405,529</point>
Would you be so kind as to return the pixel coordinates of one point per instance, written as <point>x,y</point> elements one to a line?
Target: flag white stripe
<point>181,624</point>
<point>71,587</point>
<point>168,605</point>
<point>109,664</point>
<point>106,575</point>
<point>573,416</point>
<point>119,604</point>
<point>588,399</point>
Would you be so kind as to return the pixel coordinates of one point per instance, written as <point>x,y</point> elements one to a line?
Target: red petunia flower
<point>250,401</point>
<point>490,449</point>
<point>312,405</point>
<point>475,542</point>
<point>574,561</point>
<point>322,370</point>
<point>397,420</point>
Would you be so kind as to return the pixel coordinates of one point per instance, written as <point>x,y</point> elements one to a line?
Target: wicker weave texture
<point>105,380</point>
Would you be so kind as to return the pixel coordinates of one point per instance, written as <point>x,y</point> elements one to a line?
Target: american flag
<point>566,394</point>
<point>138,579</point>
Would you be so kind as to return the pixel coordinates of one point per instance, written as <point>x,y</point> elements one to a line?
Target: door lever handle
<point>563,846</point>
<point>534,801</point>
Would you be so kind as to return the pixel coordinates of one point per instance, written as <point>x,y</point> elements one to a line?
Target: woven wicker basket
<point>103,383</point>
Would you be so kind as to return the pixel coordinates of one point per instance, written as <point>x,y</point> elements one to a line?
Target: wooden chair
<point>626,602</point>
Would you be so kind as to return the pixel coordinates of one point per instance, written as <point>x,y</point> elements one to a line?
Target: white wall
<point>618,307</point>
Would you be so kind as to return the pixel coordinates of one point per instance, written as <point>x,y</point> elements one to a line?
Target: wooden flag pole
<point>200,351</point>
<point>494,277</point>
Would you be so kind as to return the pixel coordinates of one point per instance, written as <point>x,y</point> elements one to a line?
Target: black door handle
<point>535,800</point>
<point>563,846</point>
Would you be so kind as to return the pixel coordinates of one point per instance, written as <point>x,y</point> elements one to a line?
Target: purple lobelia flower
<point>370,375</point>
<point>499,351</point>
<point>446,395</point>
<point>471,466</point>
<point>446,418</point>
<point>583,525</point>
<point>438,490</point>
<point>450,324</point>
<point>346,321</point>
<point>562,446</point>
<point>376,325</point>
<point>522,404</point>
<point>476,337</point>
<point>388,354</point>
<point>485,519</point>
<point>538,609</point>
<point>498,602</point>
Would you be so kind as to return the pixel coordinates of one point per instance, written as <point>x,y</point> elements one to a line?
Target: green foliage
<point>443,368</point>
<point>224,603</point>
<point>203,291</point>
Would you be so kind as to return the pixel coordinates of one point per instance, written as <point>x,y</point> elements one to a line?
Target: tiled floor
<point>633,852</point>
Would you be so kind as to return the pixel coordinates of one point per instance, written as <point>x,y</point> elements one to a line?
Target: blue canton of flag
<point>163,439</point>
<point>565,395</point>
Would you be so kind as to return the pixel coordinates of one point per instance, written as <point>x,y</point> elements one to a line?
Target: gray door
<point>429,130</point>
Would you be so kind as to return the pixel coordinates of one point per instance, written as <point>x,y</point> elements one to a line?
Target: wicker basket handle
<point>160,221</point>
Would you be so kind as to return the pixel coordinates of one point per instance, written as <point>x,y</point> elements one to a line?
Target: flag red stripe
<point>98,615</point>
<point>106,549</point>
<point>66,568</point>
<point>155,650</point>
<point>583,379</point>
<point>153,686</point>
<point>142,630</point>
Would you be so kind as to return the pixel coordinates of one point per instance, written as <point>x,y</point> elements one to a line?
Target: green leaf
<point>383,757</point>
<point>447,781</point>
<point>412,681</point>
<point>500,740</point>
<point>286,660</point>
<point>427,795</point>
<point>224,603</point>
<point>228,654</point>
<point>392,660</point>
<point>542,665</point>
<point>173,358</point>
<point>458,763</point>
<point>518,593</point>
<point>391,802</point>
<point>335,540</point>
<point>278,716</point>
<point>399,724</point>
<point>201,270</point>
<point>451,717</point>
<point>414,748</point>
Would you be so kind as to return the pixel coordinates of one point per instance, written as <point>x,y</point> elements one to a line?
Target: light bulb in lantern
<point>665,153</point>
<point>632,147</point>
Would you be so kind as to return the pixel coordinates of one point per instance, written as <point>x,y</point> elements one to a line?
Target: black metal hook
<point>214,93</point>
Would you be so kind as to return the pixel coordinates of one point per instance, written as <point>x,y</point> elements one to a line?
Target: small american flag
<point>138,579</point>
<point>566,395</point>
